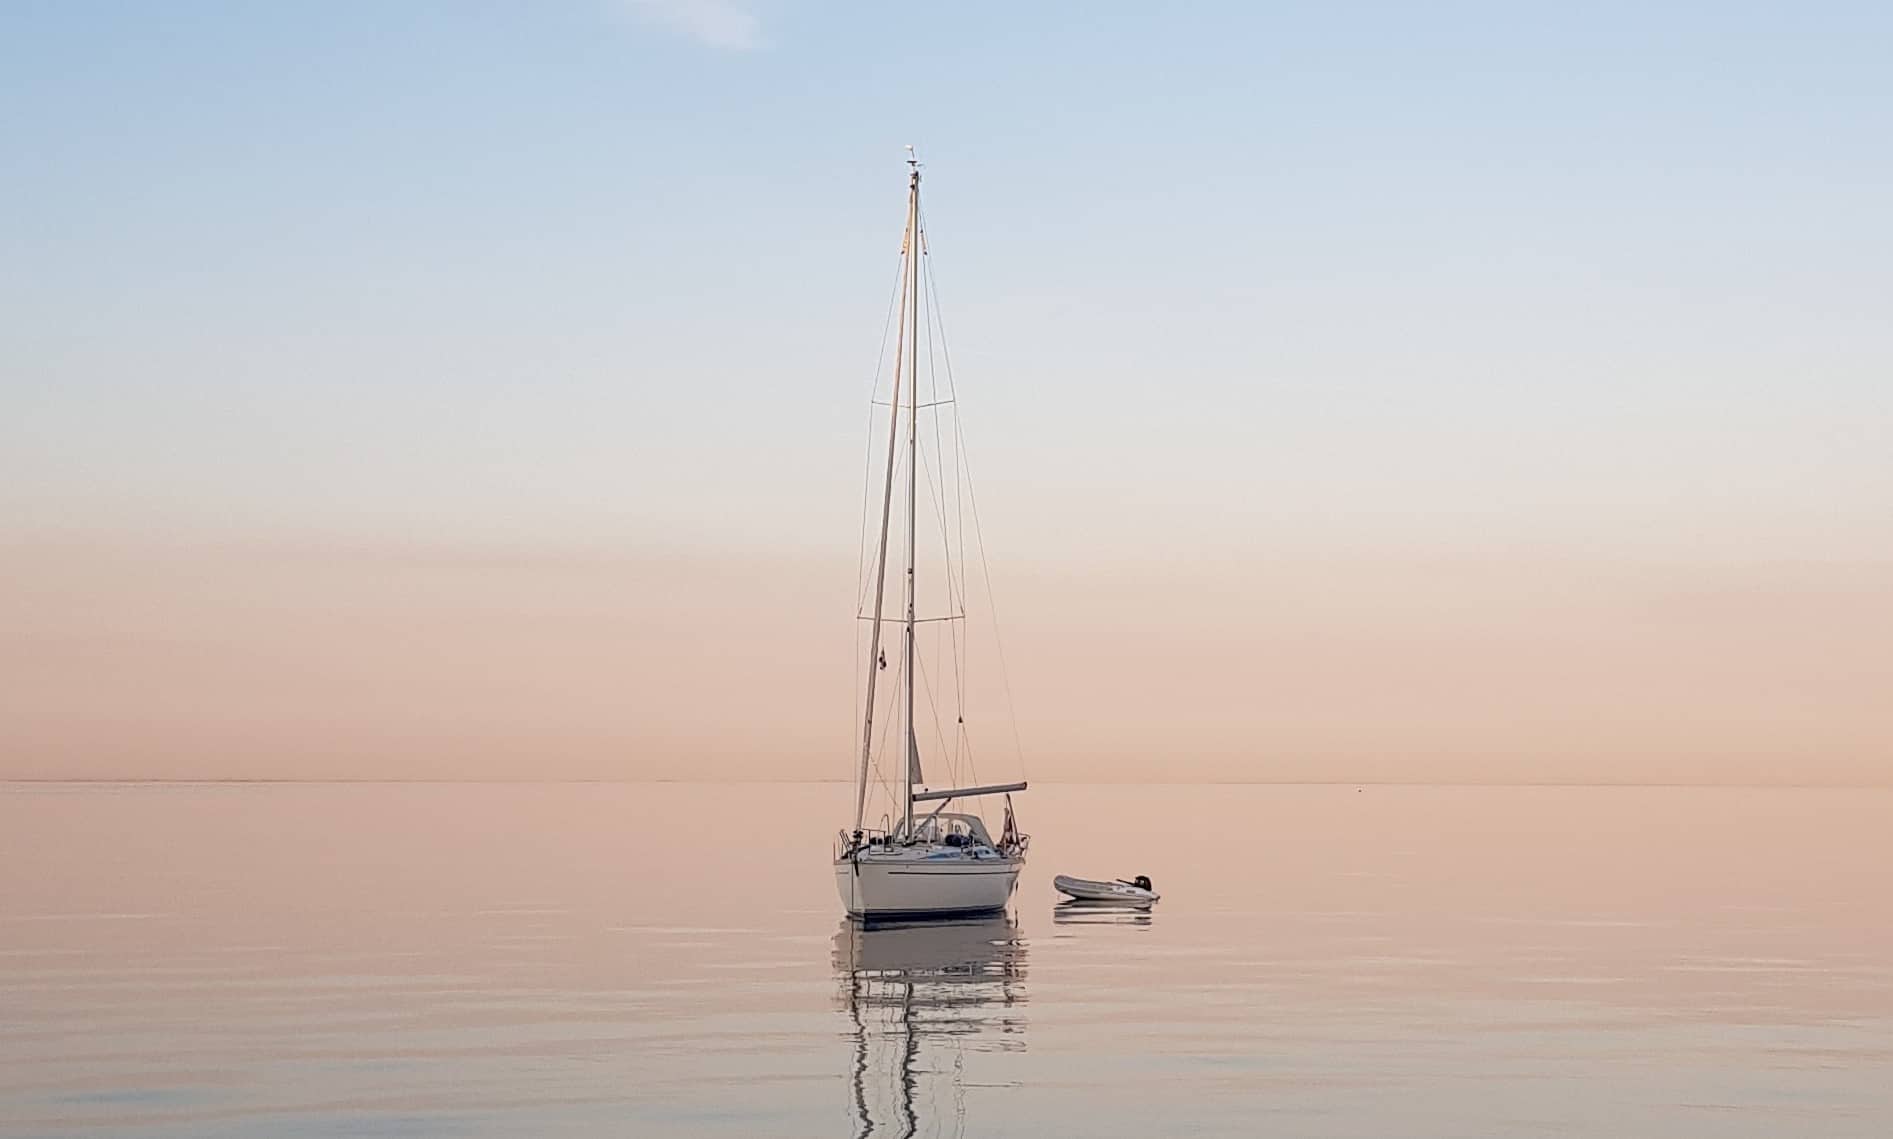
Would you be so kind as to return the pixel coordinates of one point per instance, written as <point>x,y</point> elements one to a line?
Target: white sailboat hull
<point>921,888</point>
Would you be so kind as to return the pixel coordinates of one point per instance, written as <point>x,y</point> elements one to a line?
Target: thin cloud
<point>724,24</point>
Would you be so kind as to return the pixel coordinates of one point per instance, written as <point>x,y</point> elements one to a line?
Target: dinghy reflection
<point>1079,912</point>
<point>920,997</point>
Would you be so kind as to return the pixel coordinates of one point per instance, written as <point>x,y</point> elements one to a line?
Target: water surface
<point>667,959</point>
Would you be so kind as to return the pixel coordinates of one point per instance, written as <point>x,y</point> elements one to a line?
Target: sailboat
<point>921,863</point>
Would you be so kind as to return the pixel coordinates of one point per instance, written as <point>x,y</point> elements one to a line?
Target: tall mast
<point>913,471</point>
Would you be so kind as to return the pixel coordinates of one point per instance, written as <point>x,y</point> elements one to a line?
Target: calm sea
<point>623,959</point>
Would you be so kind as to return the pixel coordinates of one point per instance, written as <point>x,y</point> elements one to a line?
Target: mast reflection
<point>919,996</point>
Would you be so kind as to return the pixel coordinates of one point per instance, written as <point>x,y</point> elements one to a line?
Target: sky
<point>1457,392</point>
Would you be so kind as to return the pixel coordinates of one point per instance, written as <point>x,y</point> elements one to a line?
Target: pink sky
<point>194,659</point>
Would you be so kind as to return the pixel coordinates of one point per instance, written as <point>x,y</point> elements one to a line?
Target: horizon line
<point>264,781</point>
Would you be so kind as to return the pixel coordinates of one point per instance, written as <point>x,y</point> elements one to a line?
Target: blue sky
<point>1226,284</point>
<point>476,261</point>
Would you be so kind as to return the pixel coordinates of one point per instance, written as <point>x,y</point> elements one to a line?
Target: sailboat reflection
<point>919,997</point>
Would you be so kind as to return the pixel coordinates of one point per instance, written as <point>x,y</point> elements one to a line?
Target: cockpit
<point>951,830</point>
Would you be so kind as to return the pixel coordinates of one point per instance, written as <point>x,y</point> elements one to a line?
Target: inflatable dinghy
<point>1135,892</point>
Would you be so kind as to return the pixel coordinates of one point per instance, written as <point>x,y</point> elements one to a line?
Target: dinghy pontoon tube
<point>1136,891</point>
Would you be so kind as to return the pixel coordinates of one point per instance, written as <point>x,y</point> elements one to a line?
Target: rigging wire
<point>932,706</point>
<point>896,680</point>
<point>979,536</point>
<point>881,781</point>
<point>867,464</point>
<point>962,740</point>
<point>867,488</point>
<point>936,497</point>
<point>956,606</point>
